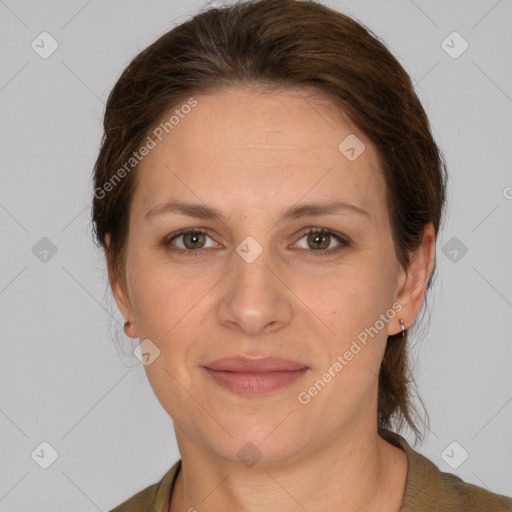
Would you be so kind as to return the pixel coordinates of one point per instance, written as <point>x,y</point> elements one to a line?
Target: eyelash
<point>344,242</point>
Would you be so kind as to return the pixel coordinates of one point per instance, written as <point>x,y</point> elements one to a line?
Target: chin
<point>257,441</point>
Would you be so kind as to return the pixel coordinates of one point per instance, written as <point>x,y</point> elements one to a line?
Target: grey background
<point>62,379</point>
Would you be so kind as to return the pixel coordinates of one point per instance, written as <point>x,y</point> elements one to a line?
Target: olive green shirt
<point>427,489</point>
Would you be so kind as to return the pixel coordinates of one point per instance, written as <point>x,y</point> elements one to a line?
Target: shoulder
<point>428,488</point>
<point>454,494</point>
<point>153,498</point>
<point>143,501</point>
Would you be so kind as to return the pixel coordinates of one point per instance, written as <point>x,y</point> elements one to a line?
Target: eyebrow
<point>202,211</point>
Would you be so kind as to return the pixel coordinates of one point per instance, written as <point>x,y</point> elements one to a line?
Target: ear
<point>414,281</point>
<point>117,285</point>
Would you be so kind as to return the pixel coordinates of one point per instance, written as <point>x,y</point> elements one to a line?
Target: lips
<point>247,376</point>
<point>247,365</point>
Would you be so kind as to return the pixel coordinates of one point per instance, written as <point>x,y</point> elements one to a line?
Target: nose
<point>255,297</point>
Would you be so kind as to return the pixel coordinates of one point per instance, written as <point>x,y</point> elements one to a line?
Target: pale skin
<point>253,154</point>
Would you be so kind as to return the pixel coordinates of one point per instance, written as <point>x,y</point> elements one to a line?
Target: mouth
<point>254,376</point>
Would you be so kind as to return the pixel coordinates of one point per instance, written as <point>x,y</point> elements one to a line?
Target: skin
<point>252,154</point>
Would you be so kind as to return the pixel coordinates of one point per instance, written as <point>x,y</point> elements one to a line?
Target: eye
<point>321,238</point>
<point>192,241</point>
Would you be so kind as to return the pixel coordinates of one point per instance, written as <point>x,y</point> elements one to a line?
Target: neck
<point>353,472</point>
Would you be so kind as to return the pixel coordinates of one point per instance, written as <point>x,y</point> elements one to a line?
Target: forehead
<point>249,148</point>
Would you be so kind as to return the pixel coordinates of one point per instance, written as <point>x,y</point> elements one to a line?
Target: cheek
<point>352,298</point>
<point>169,307</point>
<point>351,305</point>
<point>165,314</point>
<point>158,295</point>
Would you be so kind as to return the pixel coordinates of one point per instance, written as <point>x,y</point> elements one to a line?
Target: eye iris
<point>315,237</point>
<point>194,237</point>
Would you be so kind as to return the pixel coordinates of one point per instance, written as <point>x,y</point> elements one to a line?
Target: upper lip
<point>243,364</point>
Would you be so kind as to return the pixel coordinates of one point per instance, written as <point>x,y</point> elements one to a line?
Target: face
<point>256,283</point>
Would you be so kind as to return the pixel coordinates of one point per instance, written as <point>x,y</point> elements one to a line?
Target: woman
<point>268,194</point>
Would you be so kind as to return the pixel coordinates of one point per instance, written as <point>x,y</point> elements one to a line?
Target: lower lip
<point>255,383</point>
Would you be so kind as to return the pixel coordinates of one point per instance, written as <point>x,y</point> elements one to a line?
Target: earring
<point>402,325</point>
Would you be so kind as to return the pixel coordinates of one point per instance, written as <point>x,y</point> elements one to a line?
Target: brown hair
<point>283,43</point>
